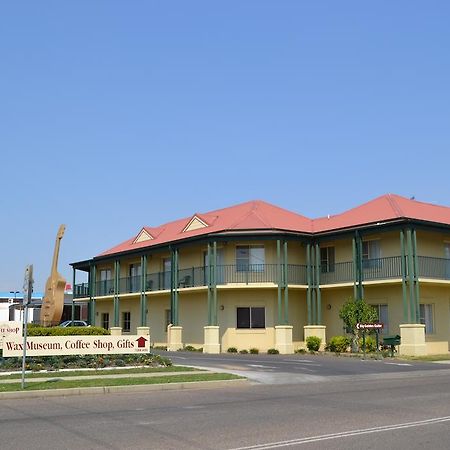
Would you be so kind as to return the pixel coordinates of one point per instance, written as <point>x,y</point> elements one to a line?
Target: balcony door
<point>135,277</point>
<point>106,287</point>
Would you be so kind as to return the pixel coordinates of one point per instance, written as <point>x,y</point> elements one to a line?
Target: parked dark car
<point>74,323</point>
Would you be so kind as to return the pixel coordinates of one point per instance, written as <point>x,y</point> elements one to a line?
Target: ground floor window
<point>426,318</point>
<point>251,317</point>
<point>382,312</point>
<point>168,318</point>
<point>126,321</point>
<point>105,321</point>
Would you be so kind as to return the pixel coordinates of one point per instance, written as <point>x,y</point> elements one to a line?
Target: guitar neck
<point>56,255</point>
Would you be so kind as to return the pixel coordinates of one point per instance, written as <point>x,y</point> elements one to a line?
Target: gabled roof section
<point>143,236</point>
<point>197,222</point>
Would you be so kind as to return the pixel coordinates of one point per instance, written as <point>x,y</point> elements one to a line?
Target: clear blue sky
<point>119,114</point>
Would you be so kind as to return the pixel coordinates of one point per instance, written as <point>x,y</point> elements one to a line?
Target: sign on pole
<point>28,285</point>
<point>369,326</point>
<point>76,345</point>
<point>10,329</point>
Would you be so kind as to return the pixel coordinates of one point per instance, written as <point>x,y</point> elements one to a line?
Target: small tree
<point>356,311</point>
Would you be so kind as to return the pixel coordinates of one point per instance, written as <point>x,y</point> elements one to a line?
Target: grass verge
<point>62,384</point>
<point>77,373</point>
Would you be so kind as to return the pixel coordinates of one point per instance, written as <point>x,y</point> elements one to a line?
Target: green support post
<point>355,269</point>
<point>72,312</point>
<point>208,281</point>
<point>174,286</point>
<point>412,299</point>
<point>214,284</point>
<point>404,276</point>
<point>116,293</point>
<point>319,297</point>
<point>143,289</point>
<point>280,282</point>
<point>360,267</point>
<point>416,275</point>
<point>308,279</point>
<point>93,295</point>
<point>313,286</point>
<point>286,283</point>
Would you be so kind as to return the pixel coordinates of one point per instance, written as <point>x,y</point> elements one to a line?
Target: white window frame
<point>254,262</point>
<point>426,313</point>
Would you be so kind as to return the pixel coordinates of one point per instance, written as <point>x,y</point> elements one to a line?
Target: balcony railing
<point>382,268</point>
<point>342,272</point>
<point>430,267</point>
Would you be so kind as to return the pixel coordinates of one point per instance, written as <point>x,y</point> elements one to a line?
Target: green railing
<point>296,274</point>
<point>382,268</point>
<point>104,287</point>
<point>341,272</point>
<point>81,290</point>
<point>430,267</point>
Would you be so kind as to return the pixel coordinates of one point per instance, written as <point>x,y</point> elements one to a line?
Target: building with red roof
<point>255,275</point>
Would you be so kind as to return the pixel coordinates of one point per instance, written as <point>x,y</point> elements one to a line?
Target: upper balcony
<point>378,269</point>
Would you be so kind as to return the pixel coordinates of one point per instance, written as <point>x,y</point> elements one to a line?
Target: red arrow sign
<point>141,341</point>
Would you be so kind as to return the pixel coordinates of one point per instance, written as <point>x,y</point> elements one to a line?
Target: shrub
<point>244,352</point>
<point>371,344</point>
<point>273,351</point>
<point>232,350</point>
<point>254,351</point>
<point>66,331</point>
<point>313,343</point>
<point>339,344</point>
<point>189,348</point>
<point>302,351</point>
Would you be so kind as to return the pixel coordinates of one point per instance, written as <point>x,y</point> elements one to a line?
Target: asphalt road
<point>294,369</point>
<point>400,409</point>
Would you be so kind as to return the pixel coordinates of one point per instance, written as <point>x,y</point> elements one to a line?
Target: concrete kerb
<point>68,392</point>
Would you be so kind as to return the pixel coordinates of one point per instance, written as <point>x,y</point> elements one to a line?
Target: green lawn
<point>444,357</point>
<point>61,384</point>
<point>77,373</point>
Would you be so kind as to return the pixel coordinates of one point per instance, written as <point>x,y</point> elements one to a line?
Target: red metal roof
<point>259,215</point>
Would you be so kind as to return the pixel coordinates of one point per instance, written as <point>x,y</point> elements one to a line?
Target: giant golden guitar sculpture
<point>53,301</point>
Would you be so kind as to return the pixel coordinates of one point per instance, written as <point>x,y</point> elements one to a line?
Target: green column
<point>286,284</point>
<point>143,289</point>
<point>360,267</point>
<point>404,276</point>
<point>72,312</point>
<point>93,295</point>
<point>209,284</point>
<point>116,305</point>
<point>313,286</point>
<point>174,286</point>
<point>319,298</point>
<point>412,300</point>
<point>416,275</point>
<point>308,280</point>
<point>214,284</point>
<point>355,269</point>
<point>280,281</point>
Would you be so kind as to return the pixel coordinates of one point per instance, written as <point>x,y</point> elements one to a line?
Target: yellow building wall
<point>193,316</point>
<point>432,244</point>
<point>243,339</point>
<point>156,318</point>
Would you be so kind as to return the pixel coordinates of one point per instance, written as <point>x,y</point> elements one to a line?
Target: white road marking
<point>325,437</point>
<point>399,364</point>
<point>261,366</point>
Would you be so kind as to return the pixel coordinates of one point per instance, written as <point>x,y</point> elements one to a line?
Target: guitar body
<point>53,301</point>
